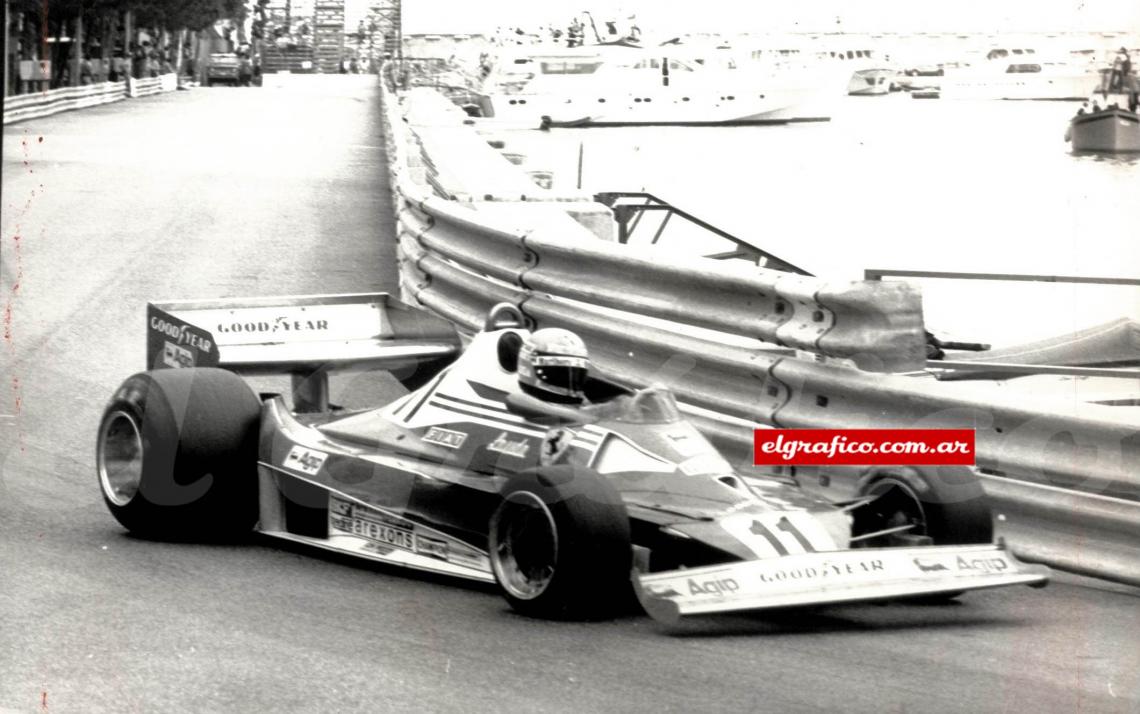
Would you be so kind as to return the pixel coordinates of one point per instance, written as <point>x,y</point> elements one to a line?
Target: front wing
<point>831,577</point>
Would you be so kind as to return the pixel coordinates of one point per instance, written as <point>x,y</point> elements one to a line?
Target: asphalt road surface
<point>234,192</point>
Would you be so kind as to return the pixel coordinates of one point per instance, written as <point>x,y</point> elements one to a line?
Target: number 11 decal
<point>786,526</point>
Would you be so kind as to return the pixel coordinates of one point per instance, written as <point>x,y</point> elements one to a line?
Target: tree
<point>186,14</point>
<point>164,14</point>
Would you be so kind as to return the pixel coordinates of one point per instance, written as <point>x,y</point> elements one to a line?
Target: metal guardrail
<point>1006,368</point>
<point>712,333</point>
<point>880,273</point>
<point>878,327</point>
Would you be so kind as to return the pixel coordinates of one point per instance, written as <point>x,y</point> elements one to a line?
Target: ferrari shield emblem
<point>554,446</point>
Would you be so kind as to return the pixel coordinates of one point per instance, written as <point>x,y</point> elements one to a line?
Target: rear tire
<point>560,545</point>
<point>176,454</point>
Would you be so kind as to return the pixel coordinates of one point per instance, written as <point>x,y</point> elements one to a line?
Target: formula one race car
<point>563,506</point>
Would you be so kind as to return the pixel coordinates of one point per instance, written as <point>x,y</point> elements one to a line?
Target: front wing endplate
<point>831,577</point>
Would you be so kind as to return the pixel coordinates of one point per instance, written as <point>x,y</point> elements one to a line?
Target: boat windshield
<point>569,66</point>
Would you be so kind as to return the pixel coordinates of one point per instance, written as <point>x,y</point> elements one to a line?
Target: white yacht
<point>623,84</point>
<point>865,72</point>
<point>1019,73</point>
<point>871,77</point>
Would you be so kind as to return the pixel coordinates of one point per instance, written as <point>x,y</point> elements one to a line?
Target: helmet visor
<point>562,380</point>
<point>561,375</point>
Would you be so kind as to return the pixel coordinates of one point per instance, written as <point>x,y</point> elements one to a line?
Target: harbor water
<point>894,182</point>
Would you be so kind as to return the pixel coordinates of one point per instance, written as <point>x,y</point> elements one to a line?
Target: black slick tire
<point>560,545</point>
<point>176,454</point>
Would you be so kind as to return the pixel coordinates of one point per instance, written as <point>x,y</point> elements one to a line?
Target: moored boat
<point>1108,121</point>
<point>871,82</point>
<point>619,84</point>
<point>1019,74</point>
<point>1110,130</point>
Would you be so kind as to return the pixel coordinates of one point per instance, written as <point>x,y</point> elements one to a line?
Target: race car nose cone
<point>120,458</point>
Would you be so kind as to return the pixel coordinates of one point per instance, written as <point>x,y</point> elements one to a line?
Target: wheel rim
<point>524,545</point>
<point>896,505</point>
<point>119,458</point>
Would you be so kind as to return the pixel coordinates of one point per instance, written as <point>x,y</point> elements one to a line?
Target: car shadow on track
<point>258,540</point>
<point>877,617</point>
<point>861,618</point>
<point>373,566</point>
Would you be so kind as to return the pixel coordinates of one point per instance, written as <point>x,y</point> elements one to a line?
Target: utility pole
<point>77,47</point>
<point>7,46</point>
<point>128,41</point>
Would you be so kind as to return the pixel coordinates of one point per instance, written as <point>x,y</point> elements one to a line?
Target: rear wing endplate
<point>306,336</point>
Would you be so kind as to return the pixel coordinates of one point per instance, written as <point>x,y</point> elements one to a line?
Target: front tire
<point>176,454</point>
<point>947,506</point>
<point>560,545</point>
<point>943,507</point>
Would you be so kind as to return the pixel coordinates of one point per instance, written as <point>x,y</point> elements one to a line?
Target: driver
<point>553,364</point>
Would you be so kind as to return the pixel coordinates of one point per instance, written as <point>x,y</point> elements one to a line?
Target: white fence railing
<point>42,104</point>
<point>152,85</point>
<point>730,342</point>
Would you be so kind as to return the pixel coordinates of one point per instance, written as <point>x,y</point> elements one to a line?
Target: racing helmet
<point>553,364</point>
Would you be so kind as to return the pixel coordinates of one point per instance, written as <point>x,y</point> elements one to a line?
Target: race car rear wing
<point>835,577</point>
<point>306,336</point>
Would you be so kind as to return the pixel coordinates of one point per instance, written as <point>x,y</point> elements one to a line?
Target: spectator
<point>1128,82</point>
<point>575,33</point>
<point>1121,68</point>
<point>138,61</point>
<point>245,70</point>
<point>86,71</point>
<point>118,68</point>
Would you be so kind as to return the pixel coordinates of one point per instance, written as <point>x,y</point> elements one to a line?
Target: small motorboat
<point>1108,121</point>
<point>1111,130</point>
